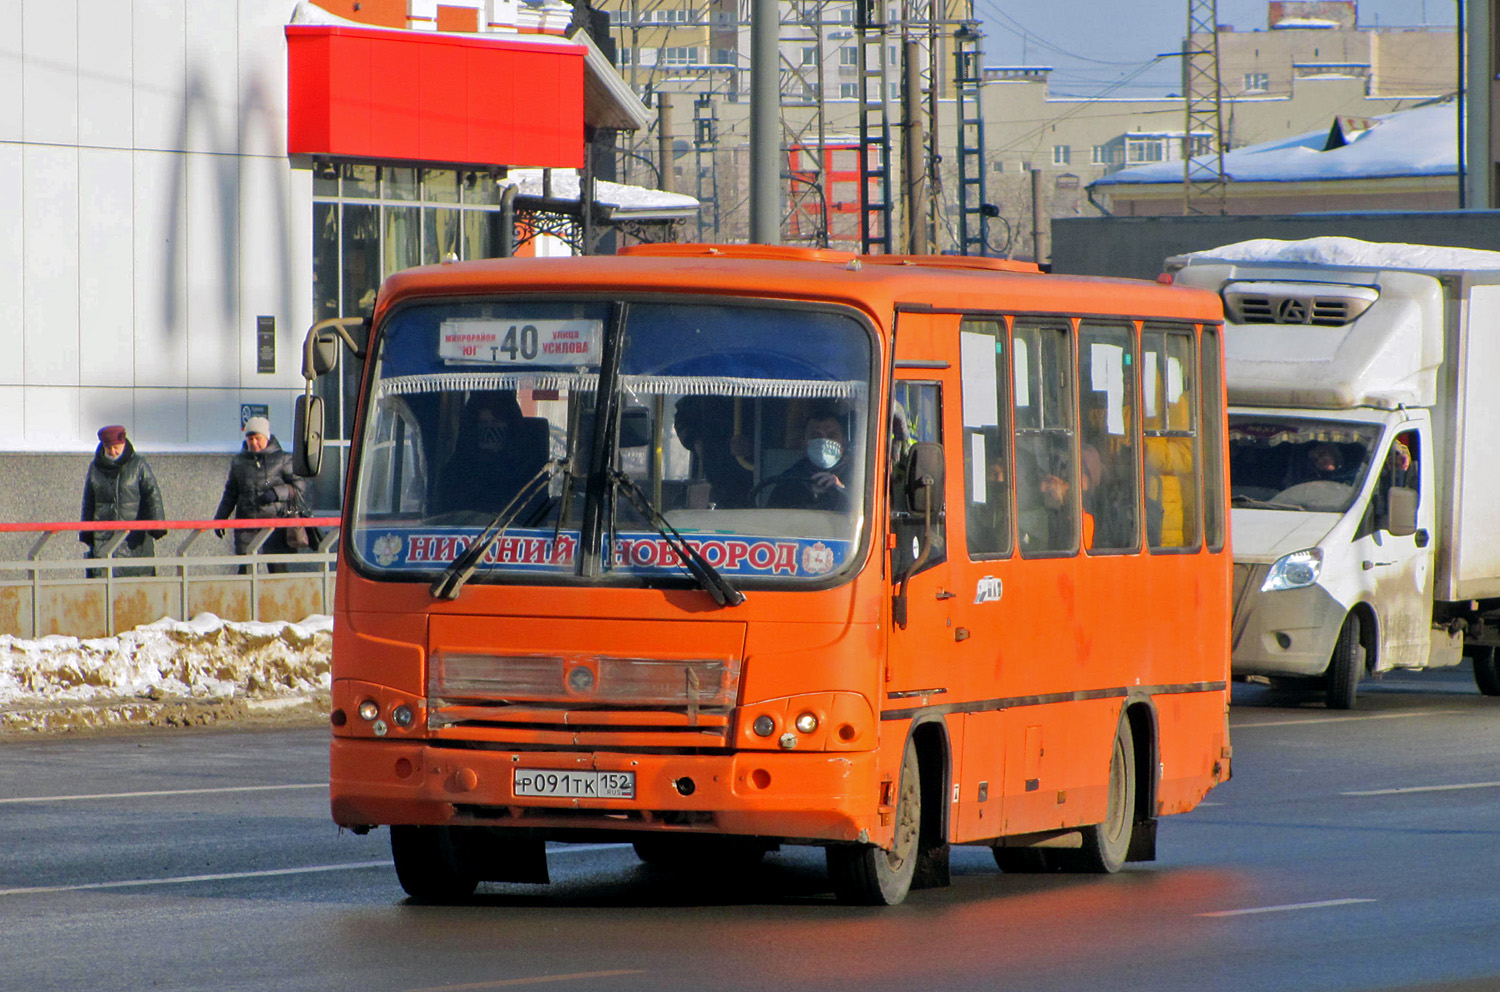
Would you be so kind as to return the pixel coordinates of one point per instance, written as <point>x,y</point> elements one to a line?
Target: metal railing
<point>88,597</point>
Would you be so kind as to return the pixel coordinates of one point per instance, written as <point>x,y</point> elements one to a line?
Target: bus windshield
<point>744,428</point>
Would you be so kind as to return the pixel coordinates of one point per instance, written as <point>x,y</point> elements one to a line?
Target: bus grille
<point>583,701</point>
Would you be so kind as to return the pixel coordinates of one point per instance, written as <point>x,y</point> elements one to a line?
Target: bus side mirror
<point>320,349</point>
<point>1403,511</point>
<point>924,479</point>
<point>307,420</point>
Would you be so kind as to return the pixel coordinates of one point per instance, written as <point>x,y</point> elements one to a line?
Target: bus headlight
<point>806,723</point>
<point>369,710</point>
<point>1294,571</point>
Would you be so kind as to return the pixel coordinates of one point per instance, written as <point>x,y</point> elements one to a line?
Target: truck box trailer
<point>1364,401</point>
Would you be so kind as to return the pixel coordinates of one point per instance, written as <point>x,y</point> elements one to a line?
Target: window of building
<point>679,55</point>
<point>809,56</point>
<point>1144,150</point>
<point>1257,82</point>
<point>997,166</point>
<point>1062,154</point>
<point>1100,155</point>
<point>848,56</point>
<point>848,91</point>
<point>370,221</point>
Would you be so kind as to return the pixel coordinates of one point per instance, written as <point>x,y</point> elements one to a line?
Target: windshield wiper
<point>455,575</point>
<point>707,576</point>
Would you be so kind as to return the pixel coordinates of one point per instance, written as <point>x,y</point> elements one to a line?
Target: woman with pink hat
<point>121,486</point>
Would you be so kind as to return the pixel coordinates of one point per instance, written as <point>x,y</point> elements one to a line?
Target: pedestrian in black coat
<point>120,486</point>
<point>261,485</point>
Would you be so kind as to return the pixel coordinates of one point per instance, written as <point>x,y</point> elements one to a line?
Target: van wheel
<point>1346,666</point>
<point>866,875</point>
<point>1486,672</point>
<point>430,865</point>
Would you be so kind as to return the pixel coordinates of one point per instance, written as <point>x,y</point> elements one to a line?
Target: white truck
<point>1364,408</point>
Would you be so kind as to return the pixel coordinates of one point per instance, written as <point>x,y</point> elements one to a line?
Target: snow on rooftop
<point>617,196</point>
<point>1344,252</point>
<point>1417,142</point>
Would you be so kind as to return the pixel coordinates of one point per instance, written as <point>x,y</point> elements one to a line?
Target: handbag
<point>298,538</point>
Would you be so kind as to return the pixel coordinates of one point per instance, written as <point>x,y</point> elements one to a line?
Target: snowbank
<point>204,665</point>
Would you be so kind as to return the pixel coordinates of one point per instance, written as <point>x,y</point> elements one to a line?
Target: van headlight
<point>1294,571</point>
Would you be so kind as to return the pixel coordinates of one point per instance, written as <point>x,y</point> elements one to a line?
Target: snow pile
<point>1348,252</point>
<point>203,660</point>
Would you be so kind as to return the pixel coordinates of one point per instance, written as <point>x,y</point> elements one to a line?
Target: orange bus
<point>712,549</point>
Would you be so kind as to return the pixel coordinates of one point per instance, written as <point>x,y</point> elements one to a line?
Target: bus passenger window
<point>986,458</point>
<point>1213,439</point>
<point>1170,401</point>
<point>916,415</point>
<point>1111,492</point>
<point>1046,482</point>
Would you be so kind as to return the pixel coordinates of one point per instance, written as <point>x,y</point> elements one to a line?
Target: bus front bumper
<point>814,796</point>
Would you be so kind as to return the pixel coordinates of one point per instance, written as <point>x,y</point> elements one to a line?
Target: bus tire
<point>430,865</point>
<point>1106,844</point>
<point>1486,672</point>
<point>1345,667</point>
<point>866,875</point>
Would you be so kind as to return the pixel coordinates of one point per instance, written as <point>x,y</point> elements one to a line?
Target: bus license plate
<point>575,785</point>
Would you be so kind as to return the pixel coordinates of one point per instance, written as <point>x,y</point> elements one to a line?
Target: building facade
<point>192,184</point>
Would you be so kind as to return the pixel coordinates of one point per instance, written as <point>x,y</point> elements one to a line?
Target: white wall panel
<point>49,34</point>
<point>262,65</point>
<point>106,269</point>
<point>105,99</point>
<point>12,62</point>
<point>102,405</point>
<point>216,334</point>
<point>51,420</point>
<point>160,417</point>
<point>49,213</point>
<point>212,79</point>
<point>160,269</point>
<point>159,58</point>
<point>275,264</point>
<point>213,420</point>
<point>12,301</point>
<point>12,418</point>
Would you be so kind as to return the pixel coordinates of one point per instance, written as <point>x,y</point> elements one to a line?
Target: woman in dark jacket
<point>261,485</point>
<point>121,486</point>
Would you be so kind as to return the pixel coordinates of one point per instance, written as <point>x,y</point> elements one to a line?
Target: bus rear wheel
<point>867,875</point>
<point>1486,671</point>
<point>1346,666</point>
<point>1106,844</point>
<point>431,865</point>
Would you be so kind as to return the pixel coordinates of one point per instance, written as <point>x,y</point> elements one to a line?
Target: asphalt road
<point>1351,851</point>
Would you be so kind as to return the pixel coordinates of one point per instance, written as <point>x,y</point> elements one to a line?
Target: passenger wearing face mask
<point>496,452</point>
<point>818,481</point>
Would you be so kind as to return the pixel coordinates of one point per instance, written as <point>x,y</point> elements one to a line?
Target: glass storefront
<point>369,221</point>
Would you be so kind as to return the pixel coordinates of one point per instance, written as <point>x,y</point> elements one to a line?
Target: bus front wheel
<point>430,864</point>
<point>867,875</point>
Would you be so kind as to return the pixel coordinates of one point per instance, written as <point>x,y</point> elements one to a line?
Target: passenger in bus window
<point>721,457</point>
<point>817,481</point>
<point>497,451</point>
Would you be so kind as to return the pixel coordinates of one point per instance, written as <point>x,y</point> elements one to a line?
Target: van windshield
<point>1287,463</point>
<point>745,427</point>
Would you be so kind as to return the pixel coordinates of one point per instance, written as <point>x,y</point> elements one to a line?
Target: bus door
<point>922,594</point>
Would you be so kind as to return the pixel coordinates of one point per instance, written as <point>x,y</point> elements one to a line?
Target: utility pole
<point>916,154</point>
<point>664,142</point>
<point>765,123</point>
